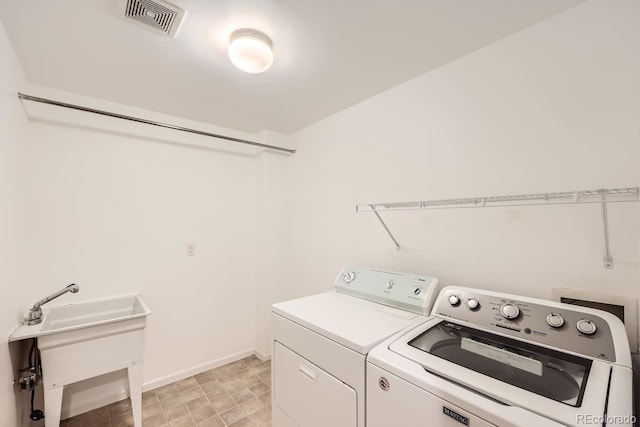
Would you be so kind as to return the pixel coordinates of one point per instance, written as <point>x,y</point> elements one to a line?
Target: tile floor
<point>237,394</point>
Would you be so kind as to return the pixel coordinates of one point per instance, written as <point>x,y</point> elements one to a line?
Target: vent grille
<point>161,16</point>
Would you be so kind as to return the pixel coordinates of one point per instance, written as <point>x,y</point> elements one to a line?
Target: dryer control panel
<point>409,292</point>
<point>562,326</point>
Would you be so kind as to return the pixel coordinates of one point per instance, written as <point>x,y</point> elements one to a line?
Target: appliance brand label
<point>456,416</point>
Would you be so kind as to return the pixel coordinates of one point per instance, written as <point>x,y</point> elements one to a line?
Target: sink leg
<point>135,392</point>
<point>53,406</point>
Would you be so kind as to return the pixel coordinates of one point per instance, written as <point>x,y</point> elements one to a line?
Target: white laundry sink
<point>84,314</point>
<point>86,339</point>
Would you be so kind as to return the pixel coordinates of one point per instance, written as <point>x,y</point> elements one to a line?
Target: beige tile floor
<point>237,394</point>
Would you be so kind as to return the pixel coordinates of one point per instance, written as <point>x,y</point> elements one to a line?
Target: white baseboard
<point>262,356</point>
<point>184,373</point>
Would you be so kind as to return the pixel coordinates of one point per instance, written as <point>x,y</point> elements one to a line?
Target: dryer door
<point>309,396</point>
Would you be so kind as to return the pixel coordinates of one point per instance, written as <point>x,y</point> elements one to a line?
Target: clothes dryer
<point>321,342</point>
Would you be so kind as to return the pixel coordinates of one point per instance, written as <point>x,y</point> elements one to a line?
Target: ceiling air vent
<point>156,15</point>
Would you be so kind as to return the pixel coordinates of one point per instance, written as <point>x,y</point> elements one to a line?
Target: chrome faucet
<point>35,313</point>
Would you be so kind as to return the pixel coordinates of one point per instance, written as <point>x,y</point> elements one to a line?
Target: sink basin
<point>83,315</point>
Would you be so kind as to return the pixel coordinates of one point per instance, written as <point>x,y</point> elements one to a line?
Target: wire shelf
<point>601,196</point>
<point>568,197</point>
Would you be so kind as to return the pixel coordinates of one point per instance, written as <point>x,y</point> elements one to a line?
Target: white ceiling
<point>329,54</point>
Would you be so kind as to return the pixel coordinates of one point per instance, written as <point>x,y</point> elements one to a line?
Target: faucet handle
<point>34,317</point>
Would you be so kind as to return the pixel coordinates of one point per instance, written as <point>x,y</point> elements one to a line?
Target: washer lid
<point>353,322</point>
<point>549,373</point>
<point>443,377</point>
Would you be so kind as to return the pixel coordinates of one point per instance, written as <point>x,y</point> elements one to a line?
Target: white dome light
<point>250,50</point>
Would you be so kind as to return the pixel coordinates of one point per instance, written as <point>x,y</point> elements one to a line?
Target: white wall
<point>552,108</point>
<point>555,107</point>
<point>273,233</point>
<point>112,206</point>
<point>12,225</point>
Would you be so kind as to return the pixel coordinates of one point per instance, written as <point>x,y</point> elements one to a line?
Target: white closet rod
<point>601,196</point>
<point>151,122</point>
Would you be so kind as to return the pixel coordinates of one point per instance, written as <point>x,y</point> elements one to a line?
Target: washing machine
<point>491,359</point>
<point>321,343</point>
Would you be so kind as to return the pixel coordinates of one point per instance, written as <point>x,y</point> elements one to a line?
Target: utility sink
<point>84,314</point>
<point>86,339</point>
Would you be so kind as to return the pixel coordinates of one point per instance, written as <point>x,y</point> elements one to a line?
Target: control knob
<point>509,311</point>
<point>473,304</point>
<point>390,284</point>
<point>454,300</point>
<point>417,290</point>
<point>555,320</point>
<point>349,277</point>
<point>587,327</point>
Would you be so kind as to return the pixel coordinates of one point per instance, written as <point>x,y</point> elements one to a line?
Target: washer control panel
<point>409,292</point>
<point>557,325</point>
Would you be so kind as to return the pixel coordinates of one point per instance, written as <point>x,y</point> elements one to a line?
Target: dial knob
<point>510,311</point>
<point>473,304</point>
<point>390,284</point>
<point>454,300</point>
<point>587,327</point>
<point>349,277</point>
<point>555,320</point>
<point>417,290</point>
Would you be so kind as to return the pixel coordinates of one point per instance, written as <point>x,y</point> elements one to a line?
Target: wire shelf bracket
<point>601,196</point>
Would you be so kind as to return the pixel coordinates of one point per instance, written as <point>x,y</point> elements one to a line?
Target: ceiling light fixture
<point>250,50</point>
